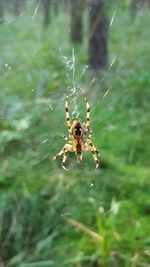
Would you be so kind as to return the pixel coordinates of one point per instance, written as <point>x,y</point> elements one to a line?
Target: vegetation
<point>83,217</point>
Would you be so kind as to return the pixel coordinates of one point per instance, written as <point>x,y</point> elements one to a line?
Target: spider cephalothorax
<point>77,141</point>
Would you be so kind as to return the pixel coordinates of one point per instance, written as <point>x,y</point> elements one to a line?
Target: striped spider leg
<point>67,147</point>
<point>91,147</point>
<point>68,124</point>
<point>87,115</point>
<point>94,151</point>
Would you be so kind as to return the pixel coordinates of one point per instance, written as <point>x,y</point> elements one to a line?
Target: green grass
<point>36,196</point>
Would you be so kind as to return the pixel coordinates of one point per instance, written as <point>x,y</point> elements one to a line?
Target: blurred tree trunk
<point>76,9</point>
<point>17,6</point>
<point>56,7</point>
<point>67,4</point>
<point>98,29</point>
<point>134,8</point>
<point>1,11</point>
<point>46,7</point>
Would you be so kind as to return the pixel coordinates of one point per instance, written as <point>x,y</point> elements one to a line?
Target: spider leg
<point>88,114</point>
<point>64,160</point>
<point>66,138</point>
<point>95,153</point>
<point>66,148</point>
<point>58,155</point>
<point>68,124</point>
<point>90,134</point>
<point>90,144</point>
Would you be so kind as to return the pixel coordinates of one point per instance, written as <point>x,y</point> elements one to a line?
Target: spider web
<point>76,87</point>
<point>25,114</point>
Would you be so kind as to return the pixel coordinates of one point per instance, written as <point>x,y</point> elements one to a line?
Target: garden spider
<point>77,141</point>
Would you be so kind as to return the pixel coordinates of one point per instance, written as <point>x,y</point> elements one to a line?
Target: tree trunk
<point>1,11</point>
<point>98,35</point>
<point>56,7</point>
<point>134,8</point>
<point>17,6</point>
<point>46,7</point>
<point>76,9</point>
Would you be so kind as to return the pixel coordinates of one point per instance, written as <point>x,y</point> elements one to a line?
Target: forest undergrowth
<point>83,217</point>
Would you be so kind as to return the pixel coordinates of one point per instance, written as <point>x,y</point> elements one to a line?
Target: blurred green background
<point>83,217</point>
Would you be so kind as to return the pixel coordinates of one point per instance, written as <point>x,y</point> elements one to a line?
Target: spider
<point>77,141</point>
